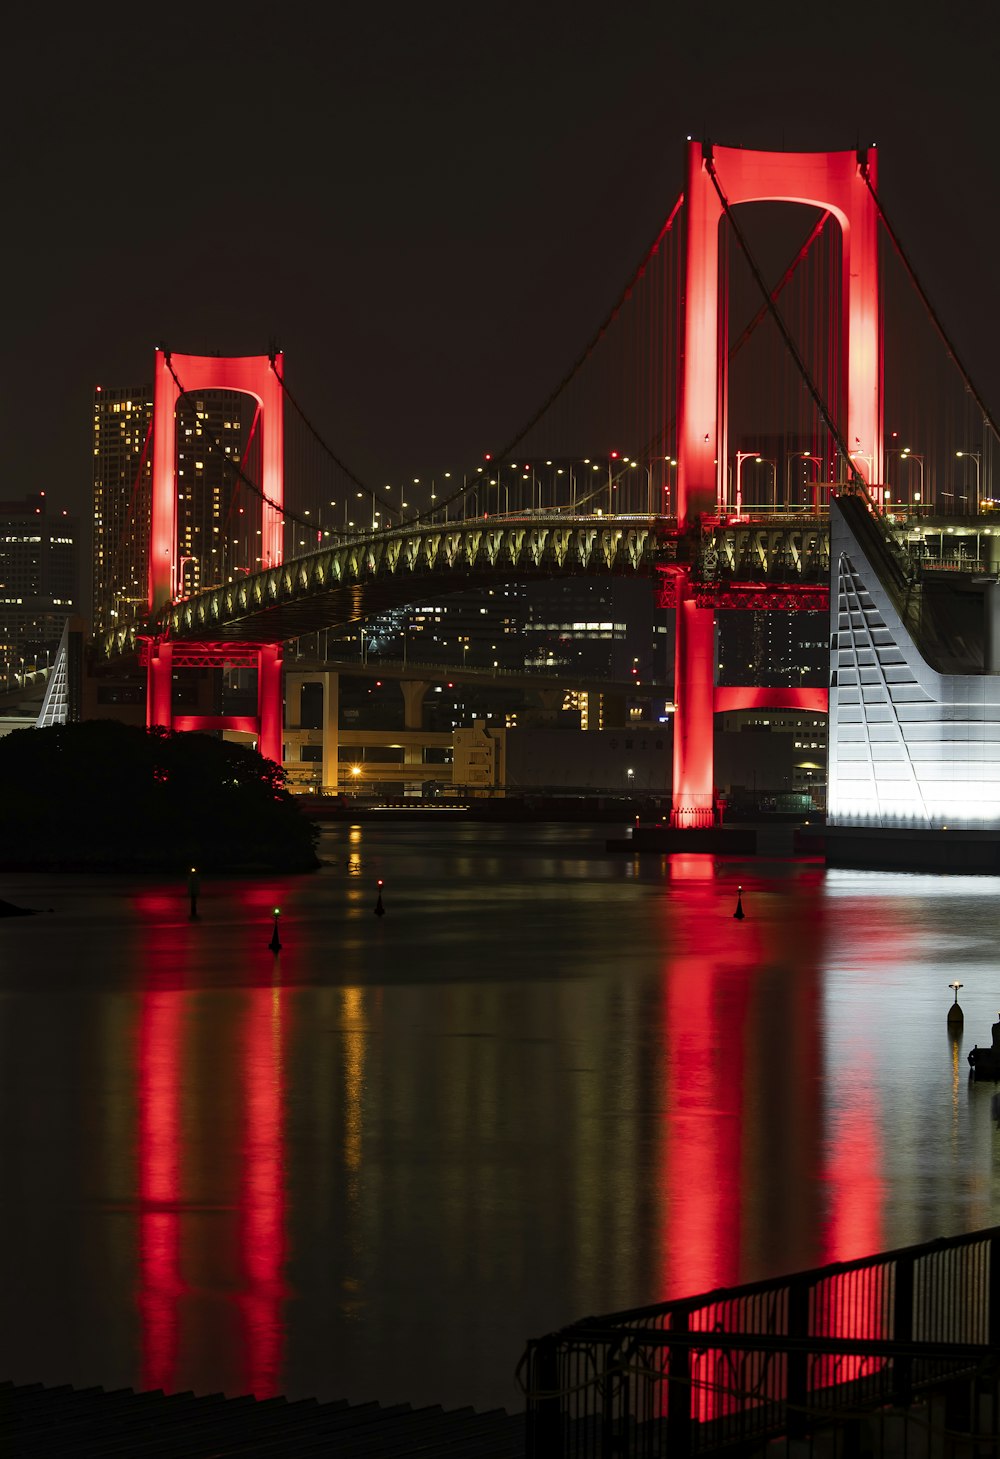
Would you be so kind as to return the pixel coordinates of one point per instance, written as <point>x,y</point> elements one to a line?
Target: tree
<point>102,793</point>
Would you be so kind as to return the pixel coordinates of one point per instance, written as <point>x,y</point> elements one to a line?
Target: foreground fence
<point>800,1363</point>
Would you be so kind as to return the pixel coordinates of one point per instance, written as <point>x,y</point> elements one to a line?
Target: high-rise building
<point>209,434</point>
<point>39,583</point>
<point>777,649</point>
<point>123,422</point>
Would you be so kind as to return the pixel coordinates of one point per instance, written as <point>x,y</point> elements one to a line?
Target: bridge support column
<point>694,715</point>
<point>159,686</point>
<point>269,702</point>
<point>331,730</point>
<point>414,693</point>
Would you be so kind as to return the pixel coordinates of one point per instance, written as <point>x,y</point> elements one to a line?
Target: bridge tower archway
<point>837,181</point>
<point>176,375</point>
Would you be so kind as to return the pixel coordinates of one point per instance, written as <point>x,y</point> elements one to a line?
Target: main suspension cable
<point>237,470</point>
<point>341,465</point>
<point>598,335</point>
<point>498,457</point>
<point>925,299</point>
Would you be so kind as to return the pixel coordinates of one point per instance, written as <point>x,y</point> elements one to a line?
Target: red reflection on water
<point>746,1108</point>
<point>704,1023</point>
<point>854,1226</point>
<point>161,1022</point>
<point>855,1306</point>
<point>154,905</point>
<point>262,1193</point>
<point>685,867</point>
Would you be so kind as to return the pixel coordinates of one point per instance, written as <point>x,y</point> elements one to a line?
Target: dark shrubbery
<point>104,794</point>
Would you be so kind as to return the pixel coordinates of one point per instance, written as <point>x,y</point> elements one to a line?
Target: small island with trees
<point>101,795</point>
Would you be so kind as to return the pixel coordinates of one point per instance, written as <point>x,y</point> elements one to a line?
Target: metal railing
<point>777,1361</point>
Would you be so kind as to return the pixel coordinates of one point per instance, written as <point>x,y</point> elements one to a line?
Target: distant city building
<point>762,755</point>
<point>210,432</point>
<point>123,421</point>
<point>39,583</point>
<point>774,649</point>
<point>596,628</point>
<point>600,627</point>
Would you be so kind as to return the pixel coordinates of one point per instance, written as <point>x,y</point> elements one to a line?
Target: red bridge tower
<point>832,180</point>
<point>176,375</point>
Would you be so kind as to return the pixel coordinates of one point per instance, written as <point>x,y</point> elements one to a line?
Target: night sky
<point>430,208</point>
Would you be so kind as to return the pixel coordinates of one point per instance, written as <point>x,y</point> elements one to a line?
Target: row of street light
<point>607,484</point>
<point>767,491</point>
<point>614,483</point>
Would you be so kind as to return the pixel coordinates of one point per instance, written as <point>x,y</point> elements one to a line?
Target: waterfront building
<point>771,759</point>
<point>914,712</point>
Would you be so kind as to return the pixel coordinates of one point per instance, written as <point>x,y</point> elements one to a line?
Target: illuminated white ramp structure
<point>62,701</point>
<point>911,748</point>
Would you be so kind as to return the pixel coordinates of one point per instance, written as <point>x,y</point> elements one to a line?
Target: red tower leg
<point>159,686</point>
<point>269,704</point>
<point>694,721</point>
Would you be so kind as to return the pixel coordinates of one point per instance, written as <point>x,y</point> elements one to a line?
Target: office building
<point>39,583</point>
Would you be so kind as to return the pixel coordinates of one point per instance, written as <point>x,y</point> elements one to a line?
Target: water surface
<point>549,1082</point>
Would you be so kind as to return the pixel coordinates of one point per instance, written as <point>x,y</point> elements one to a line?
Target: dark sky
<point>430,207</point>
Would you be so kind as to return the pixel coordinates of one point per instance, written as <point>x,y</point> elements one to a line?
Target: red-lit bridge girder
<point>751,596</point>
<point>206,655</point>
<point>760,696</point>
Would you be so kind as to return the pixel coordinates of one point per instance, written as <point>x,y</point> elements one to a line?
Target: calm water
<point>549,1082</point>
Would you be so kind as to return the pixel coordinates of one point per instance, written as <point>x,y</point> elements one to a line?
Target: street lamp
<point>669,464</point>
<point>977,457</point>
<point>742,456</point>
<point>649,483</point>
<point>179,589</point>
<point>908,455</point>
<point>581,501</point>
<point>863,456</point>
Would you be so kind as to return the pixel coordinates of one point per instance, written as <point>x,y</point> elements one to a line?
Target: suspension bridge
<point>773,351</point>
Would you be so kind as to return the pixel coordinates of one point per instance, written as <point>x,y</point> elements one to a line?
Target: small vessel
<point>986,1062</point>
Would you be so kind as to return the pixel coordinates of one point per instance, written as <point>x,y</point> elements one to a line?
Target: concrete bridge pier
<point>269,702</point>
<point>329,679</point>
<point>414,693</point>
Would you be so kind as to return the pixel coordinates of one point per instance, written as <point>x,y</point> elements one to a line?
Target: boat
<point>985,1062</point>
